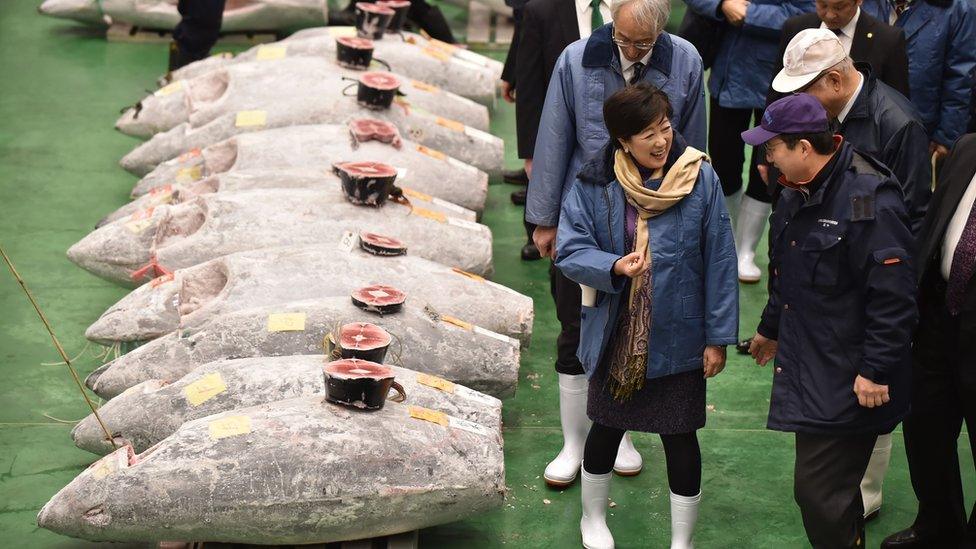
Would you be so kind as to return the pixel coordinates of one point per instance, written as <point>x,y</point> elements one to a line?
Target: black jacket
<point>875,42</point>
<point>841,300</point>
<point>547,27</point>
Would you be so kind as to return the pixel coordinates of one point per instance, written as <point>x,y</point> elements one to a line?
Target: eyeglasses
<point>643,46</point>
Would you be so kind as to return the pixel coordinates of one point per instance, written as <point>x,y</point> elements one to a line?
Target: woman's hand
<point>631,265</point>
<point>714,359</point>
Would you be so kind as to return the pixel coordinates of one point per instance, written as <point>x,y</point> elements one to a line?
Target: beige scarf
<point>629,366</point>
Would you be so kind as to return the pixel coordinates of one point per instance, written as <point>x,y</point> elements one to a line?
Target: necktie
<point>638,72</point>
<point>963,265</point>
<point>838,32</point>
<point>596,18</point>
<point>900,5</point>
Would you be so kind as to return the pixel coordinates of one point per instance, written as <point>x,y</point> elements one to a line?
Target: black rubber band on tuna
<point>359,383</point>
<point>399,8</point>
<point>366,183</point>
<point>377,244</point>
<point>379,299</point>
<point>354,53</point>
<point>372,20</point>
<point>364,341</point>
<point>376,90</point>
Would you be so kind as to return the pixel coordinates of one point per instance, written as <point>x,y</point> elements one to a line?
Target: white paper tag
<point>461,165</point>
<point>496,335</point>
<point>502,287</point>
<point>477,134</point>
<point>347,242</point>
<point>464,224</point>
<point>448,205</point>
<point>401,173</point>
<point>468,426</point>
<point>473,395</point>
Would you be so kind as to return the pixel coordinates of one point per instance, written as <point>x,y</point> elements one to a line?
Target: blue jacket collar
<point>600,51</point>
<point>598,170</point>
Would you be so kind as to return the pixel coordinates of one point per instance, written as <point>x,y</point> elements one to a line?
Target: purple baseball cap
<point>797,113</point>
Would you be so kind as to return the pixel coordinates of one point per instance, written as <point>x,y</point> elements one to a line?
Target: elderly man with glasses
<point>633,49</point>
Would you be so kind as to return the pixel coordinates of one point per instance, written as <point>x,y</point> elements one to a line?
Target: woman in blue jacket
<point>645,231</point>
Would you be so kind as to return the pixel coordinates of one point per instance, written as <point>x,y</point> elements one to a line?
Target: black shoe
<point>518,197</point>
<point>743,346</point>
<point>515,177</point>
<point>530,253</point>
<point>909,538</point>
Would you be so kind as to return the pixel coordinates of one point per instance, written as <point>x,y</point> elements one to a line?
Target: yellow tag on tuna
<point>340,32</point>
<point>443,46</point>
<point>250,119</point>
<point>472,276</point>
<point>427,414</point>
<point>188,175</point>
<point>431,152</point>
<point>169,89</point>
<point>424,86</point>
<point>286,322</point>
<point>269,53</point>
<point>457,322</point>
<point>204,389</point>
<point>435,382</point>
<point>429,214</point>
<point>229,426</point>
<point>450,124</point>
<point>437,53</point>
<point>417,195</point>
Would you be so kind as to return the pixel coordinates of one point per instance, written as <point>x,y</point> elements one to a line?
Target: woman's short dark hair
<point>633,108</point>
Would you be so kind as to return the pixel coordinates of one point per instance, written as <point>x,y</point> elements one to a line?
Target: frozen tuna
<point>325,183</point>
<point>318,148</point>
<point>480,149</point>
<point>289,472</point>
<point>151,411</point>
<point>433,343</point>
<point>156,241</point>
<point>258,84</point>
<point>239,15</point>
<point>446,66</point>
<point>192,297</point>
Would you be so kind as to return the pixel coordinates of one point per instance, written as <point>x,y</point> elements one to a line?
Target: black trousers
<point>569,299</point>
<point>199,27</point>
<point>943,396</point>
<point>827,487</point>
<point>727,150</point>
<point>681,453</point>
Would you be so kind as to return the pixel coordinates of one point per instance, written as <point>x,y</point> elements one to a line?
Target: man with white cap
<point>876,120</point>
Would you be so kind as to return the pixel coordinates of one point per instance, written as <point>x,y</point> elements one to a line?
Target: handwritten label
<point>471,394</point>
<point>495,335</point>
<point>229,426</point>
<point>431,152</point>
<point>436,382</point>
<point>169,89</point>
<point>269,53</point>
<point>429,214</point>
<point>457,322</point>
<point>347,242</point>
<point>464,224</point>
<point>204,389</point>
<point>469,426</point>
<point>136,227</point>
<point>423,86</point>
<point>340,32</point>
<point>453,125</point>
<point>188,175</point>
<point>286,322</point>
<point>449,205</point>
<point>461,165</point>
<point>427,414</point>
<point>250,119</point>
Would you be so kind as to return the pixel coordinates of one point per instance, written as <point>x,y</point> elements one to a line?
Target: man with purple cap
<point>840,313</point>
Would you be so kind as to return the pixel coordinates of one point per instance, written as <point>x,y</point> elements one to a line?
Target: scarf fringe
<point>624,390</point>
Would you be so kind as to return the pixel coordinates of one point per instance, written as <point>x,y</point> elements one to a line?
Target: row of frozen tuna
<point>255,266</point>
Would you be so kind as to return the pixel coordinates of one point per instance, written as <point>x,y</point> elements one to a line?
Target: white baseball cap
<point>811,52</point>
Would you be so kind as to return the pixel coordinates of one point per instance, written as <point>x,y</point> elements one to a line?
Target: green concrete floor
<point>62,88</point>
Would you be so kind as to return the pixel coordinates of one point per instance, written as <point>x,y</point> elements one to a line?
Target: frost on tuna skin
<point>151,411</point>
<point>290,472</point>
<point>244,280</point>
<point>469,355</point>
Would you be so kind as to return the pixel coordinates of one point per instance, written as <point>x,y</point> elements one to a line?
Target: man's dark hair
<point>632,108</point>
<point>822,142</point>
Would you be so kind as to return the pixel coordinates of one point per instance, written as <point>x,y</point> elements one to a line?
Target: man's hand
<point>631,265</point>
<point>762,349</point>
<point>735,11</point>
<point>508,92</point>
<point>938,149</point>
<point>870,394</point>
<point>545,239</point>
<point>714,359</point>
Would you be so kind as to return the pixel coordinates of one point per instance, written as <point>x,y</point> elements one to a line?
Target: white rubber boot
<point>732,205</point>
<point>629,462</point>
<point>749,227</point>
<point>593,525</point>
<point>684,515</point>
<point>873,479</point>
<point>562,471</point>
